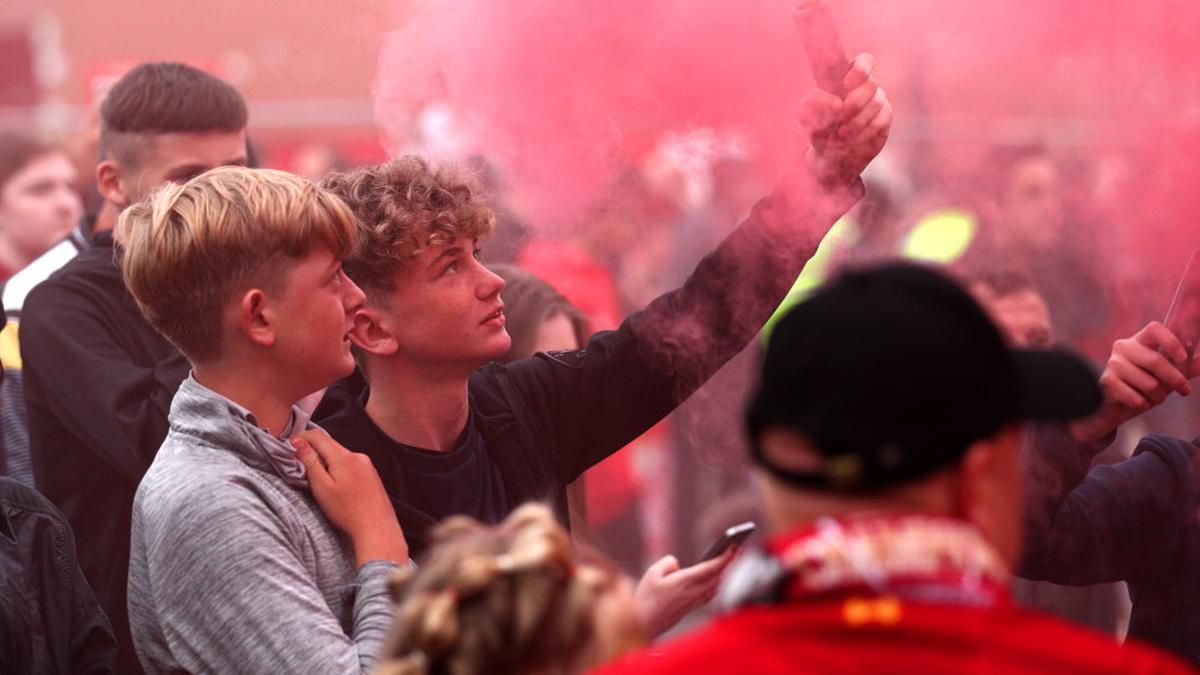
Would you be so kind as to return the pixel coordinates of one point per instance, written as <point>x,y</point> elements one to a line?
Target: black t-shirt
<point>463,481</point>
<point>460,482</point>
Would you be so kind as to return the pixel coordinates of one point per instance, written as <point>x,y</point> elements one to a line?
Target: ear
<point>254,318</point>
<point>372,332</point>
<point>110,183</point>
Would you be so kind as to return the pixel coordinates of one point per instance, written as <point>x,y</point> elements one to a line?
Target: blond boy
<point>252,553</point>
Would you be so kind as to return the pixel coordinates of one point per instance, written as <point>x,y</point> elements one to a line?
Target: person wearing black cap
<point>887,432</point>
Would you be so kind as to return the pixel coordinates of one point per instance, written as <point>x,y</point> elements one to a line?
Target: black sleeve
<point>93,644</point>
<point>1103,525</point>
<point>593,402</point>
<point>91,384</point>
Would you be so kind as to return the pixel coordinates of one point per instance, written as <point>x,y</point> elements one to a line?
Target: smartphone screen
<point>1183,318</point>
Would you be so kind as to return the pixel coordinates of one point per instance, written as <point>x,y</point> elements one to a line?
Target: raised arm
<point>1088,527</point>
<point>626,380</point>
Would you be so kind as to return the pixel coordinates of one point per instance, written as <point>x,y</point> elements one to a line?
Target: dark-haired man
<point>887,433</point>
<point>98,378</point>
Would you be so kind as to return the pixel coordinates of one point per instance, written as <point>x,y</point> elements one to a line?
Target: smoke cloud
<point>566,95</point>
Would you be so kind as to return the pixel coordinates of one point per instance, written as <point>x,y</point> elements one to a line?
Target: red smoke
<point>563,95</point>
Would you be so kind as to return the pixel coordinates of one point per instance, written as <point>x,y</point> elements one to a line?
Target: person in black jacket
<point>50,621</point>
<point>1135,520</point>
<point>98,378</point>
<point>451,438</point>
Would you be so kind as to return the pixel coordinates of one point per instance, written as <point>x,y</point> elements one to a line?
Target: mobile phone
<point>731,538</point>
<point>823,45</point>
<point>1183,318</point>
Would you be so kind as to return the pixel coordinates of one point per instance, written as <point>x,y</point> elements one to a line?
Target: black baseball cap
<point>892,372</point>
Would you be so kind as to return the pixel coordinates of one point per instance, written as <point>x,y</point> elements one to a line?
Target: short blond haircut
<point>188,249</point>
<point>402,206</point>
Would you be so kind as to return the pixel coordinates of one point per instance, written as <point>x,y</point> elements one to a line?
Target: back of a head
<point>161,98</point>
<point>189,248</point>
<point>402,206</point>
<point>504,599</point>
<point>893,372</point>
<point>528,302</point>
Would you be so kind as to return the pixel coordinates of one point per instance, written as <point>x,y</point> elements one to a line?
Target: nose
<point>490,284</point>
<point>353,298</point>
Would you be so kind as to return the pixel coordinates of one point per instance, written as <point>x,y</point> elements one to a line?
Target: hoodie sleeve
<point>600,398</point>
<point>1109,523</point>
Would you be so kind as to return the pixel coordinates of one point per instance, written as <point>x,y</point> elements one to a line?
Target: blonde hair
<point>403,206</point>
<point>503,599</point>
<point>188,249</point>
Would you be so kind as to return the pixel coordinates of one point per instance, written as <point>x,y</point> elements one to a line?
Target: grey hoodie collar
<point>204,414</point>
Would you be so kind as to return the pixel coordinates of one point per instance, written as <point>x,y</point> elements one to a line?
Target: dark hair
<point>528,302</point>
<point>19,147</point>
<point>162,98</point>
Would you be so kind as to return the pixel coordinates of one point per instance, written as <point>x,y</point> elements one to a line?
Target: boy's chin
<point>500,346</point>
<point>347,367</point>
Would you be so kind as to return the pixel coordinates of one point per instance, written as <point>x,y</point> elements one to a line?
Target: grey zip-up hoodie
<point>234,569</point>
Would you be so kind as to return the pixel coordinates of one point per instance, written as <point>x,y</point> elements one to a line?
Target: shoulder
<point>29,518</point>
<point>193,485</point>
<point>74,285</point>
<point>1174,451</point>
<point>15,494</point>
<point>1034,638</point>
<point>17,288</point>
<point>731,644</point>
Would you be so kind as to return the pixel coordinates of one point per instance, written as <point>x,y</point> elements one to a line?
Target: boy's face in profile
<point>446,307</point>
<point>314,315</point>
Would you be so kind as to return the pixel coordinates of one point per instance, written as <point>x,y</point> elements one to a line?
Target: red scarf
<point>921,558</point>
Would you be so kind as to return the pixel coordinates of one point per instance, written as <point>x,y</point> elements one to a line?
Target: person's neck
<point>106,218</point>
<point>11,261</point>
<point>416,406</point>
<point>789,509</point>
<point>270,404</point>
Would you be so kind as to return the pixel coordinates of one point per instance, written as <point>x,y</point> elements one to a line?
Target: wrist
<point>1083,431</point>
<point>380,545</point>
<point>801,199</point>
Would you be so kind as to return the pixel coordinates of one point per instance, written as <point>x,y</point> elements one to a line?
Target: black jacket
<point>1135,521</point>
<point>98,386</point>
<point>49,620</point>
<point>547,418</point>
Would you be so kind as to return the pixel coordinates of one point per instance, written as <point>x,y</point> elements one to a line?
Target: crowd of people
<point>258,422</point>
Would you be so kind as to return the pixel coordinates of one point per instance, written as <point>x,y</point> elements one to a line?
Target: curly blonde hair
<point>503,599</point>
<point>403,206</point>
